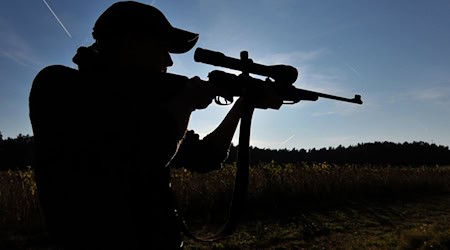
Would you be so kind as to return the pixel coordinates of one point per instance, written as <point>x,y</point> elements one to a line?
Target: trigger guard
<point>218,100</point>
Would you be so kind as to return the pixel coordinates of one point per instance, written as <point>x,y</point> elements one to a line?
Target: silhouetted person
<point>106,132</point>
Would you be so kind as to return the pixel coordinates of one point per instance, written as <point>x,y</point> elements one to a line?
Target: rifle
<point>280,77</point>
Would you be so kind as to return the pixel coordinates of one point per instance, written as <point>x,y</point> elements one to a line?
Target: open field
<point>413,223</point>
<point>309,206</point>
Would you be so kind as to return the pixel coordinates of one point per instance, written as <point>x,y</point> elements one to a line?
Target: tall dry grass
<point>18,197</point>
<point>291,186</point>
<point>271,187</point>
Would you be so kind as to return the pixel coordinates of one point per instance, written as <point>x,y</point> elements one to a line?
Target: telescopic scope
<point>284,74</point>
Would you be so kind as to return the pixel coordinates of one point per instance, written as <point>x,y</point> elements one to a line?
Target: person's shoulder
<point>55,72</point>
<point>53,76</point>
<point>52,79</point>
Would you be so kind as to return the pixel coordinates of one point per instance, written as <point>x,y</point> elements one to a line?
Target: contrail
<point>57,19</point>
<point>353,69</point>
<point>288,139</point>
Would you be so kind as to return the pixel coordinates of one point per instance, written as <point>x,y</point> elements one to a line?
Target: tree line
<point>417,153</point>
<point>17,153</point>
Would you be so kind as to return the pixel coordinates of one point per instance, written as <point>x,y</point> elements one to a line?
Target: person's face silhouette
<point>146,54</point>
<point>153,55</point>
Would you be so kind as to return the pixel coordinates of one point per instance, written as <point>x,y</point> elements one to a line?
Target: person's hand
<point>200,93</point>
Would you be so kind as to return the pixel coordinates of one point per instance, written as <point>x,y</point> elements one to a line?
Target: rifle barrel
<point>308,95</point>
<point>356,99</point>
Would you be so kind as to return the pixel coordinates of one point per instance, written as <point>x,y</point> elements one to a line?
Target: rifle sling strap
<point>240,185</point>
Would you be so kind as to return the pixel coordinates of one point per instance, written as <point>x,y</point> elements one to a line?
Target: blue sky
<point>395,54</point>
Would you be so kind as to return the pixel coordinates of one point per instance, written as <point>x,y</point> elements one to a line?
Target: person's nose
<point>168,60</point>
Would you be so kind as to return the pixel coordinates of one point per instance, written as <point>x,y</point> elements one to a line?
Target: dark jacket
<point>103,145</point>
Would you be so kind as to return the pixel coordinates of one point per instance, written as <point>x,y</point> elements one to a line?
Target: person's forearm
<point>222,136</point>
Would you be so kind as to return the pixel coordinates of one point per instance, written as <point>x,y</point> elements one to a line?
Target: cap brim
<point>181,41</point>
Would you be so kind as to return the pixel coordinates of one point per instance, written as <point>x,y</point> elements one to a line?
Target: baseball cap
<point>130,18</point>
